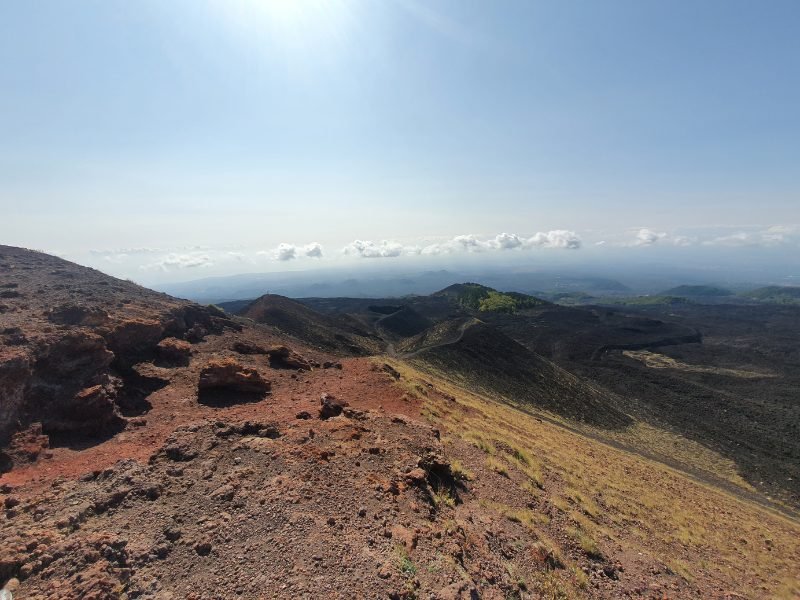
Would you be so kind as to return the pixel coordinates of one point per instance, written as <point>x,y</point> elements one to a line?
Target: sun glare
<point>293,23</point>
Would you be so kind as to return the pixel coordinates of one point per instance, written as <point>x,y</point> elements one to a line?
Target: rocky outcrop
<point>75,314</point>
<point>26,446</point>
<point>284,358</point>
<point>228,374</point>
<point>70,340</point>
<point>15,371</point>
<point>134,340</point>
<point>62,382</point>
<point>174,351</point>
<point>90,410</point>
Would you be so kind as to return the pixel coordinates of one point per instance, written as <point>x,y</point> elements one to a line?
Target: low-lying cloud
<point>286,252</point>
<point>191,260</point>
<point>647,237</point>
<point>559,238</point>
<point>769,237</point>
<point>368,249</point>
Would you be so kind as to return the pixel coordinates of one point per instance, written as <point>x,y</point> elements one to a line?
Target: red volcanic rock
<point>26,446</point>
<point>90,410</point>
<point>71,388</point>
<point>134,339</point>
<point>226,373</point>
<point>174,350</point>
<point>15,370</point>
<point>72,314</point>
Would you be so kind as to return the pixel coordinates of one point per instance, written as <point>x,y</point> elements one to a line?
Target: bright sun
<point>305,22</point>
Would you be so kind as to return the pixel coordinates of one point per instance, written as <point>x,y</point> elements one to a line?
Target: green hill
<point>696,291</point>
<point>485,299</point>
<point>778,294</point>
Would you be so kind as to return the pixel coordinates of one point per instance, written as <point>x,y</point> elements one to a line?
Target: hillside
<point>268,467</point>
<point>696,291</point>
<point>775,293</point>
<point>485,359</point>
<point>485,299</point>
<point>332,333</point>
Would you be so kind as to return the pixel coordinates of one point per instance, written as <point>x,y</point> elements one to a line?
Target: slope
<point>333,333</point>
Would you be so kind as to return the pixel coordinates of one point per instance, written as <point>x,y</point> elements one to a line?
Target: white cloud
<point>683,241</point>
<point>313,250</point>
<point>467,243</point>
<point>286,252</point>
<point>174,260</point>
<point>507,241</point>
<point>559,238</point>
<point>647,237</point>
<point>771,236</point>
<point>369,249</point>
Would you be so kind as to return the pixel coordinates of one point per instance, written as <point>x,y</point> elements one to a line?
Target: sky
<point>175,140</point>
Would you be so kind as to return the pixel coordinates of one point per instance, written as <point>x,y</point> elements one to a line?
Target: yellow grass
<point>707,533</point>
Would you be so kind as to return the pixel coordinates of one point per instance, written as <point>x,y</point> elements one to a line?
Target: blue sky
<point>165,138</point>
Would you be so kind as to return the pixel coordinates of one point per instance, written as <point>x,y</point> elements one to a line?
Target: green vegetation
<point>404,563</point>
<point>443,498</point>
<point>658,300</point>
<point>696,291</point>
<point>572,298</point>
<point>485,299</point>
<point>776,294</point>
<point>497,302</point>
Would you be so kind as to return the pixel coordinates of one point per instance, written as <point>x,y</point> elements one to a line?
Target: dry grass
<point>710,536</point>
<point>460,472</point>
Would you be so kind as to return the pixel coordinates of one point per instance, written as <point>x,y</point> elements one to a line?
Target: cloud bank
<point>559,238</point>
<point>286,252</point>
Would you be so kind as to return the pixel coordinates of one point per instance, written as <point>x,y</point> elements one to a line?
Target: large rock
<point>16,367</point>
<point>62,381</point>
<point>227,373</point>
<point>134,340</point>
<point>248,348</point>
<point>283,357</point>
<point>330,406</point>
<point>174,351</point>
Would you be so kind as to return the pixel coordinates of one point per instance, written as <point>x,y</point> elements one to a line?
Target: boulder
<point>282,357</point>
<point>227,373</point>
<point>248,348</point>
<point>90,411</point>
<point>330,406</point>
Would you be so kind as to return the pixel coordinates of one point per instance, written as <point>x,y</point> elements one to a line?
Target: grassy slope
<point>588,496</point>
